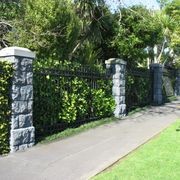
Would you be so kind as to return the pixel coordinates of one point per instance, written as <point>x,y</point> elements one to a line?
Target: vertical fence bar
<point>22,132</point>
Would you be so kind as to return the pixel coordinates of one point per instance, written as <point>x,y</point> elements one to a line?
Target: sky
<point>151,4</point>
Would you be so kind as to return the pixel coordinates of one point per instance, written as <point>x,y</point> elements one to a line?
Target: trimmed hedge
<point>5,75</point>
<point>61,100</point>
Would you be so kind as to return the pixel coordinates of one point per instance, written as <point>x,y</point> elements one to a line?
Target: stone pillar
<point>117,68</point>
<point>22,132</point>
<point>177,85</point>
<point>157,74</point>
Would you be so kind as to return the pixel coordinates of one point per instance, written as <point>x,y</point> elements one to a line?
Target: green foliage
<point>95,20</point>
<point>163,3</point>
<point>74,102</point>
<point>137,30</point>
<point>61,99</point>
<point>173,11</point>
<point>8,12</point>
<point>48,27</point>
<point>103,103</point>
<point>8,9</point>
<point>5,75</point>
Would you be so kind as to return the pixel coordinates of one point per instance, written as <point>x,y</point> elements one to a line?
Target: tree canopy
<point>87,31</point>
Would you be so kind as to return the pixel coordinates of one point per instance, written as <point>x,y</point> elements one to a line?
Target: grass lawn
<point>159,159</point>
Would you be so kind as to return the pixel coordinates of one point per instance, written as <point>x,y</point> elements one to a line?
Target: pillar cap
<point>17,51</point>
<point>156,65</point>
<point>115,61</point>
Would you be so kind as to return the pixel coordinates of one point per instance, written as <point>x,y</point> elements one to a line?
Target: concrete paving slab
<point>84,155</point>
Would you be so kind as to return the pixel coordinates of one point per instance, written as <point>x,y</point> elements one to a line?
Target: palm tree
<point>91,14</point>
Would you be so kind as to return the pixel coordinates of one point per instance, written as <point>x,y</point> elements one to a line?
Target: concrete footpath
<point>86,154</point>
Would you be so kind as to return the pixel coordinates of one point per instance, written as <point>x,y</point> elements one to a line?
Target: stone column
<point>177,85</point>
<point>157,74</point>
<point>117,68</point>
<point>22,132</point>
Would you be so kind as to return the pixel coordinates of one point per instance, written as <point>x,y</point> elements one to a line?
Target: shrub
<point>68,95</point>
<point>5,75</point>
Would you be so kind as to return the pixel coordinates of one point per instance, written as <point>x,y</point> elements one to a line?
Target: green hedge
<point>5,75</point>
<point>69,100</point>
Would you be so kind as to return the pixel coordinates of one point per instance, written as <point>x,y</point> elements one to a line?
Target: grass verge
<point>171,98</point>
<point>73,131</point>
<point>159,159</point>
<point>138,109</point>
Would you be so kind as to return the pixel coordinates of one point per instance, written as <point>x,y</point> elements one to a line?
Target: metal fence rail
<point>168,78</point>
<point>138,88</point>
<point>55,88</point>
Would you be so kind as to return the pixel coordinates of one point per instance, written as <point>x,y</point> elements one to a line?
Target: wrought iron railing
<point>67,97</point>
<point>168,78</point>
<point>138,88</point>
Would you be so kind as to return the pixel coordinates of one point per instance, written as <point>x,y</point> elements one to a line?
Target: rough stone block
<point>118,82</point>
<point>31,134</point>
<point>19,107</point>
<point>30,106</point>
<point>25,136</point>
<point>116,91</point>
<point>26,65</point>
<point>31,145</point>
<point>116,76</point>
<point>26,92</point>
<point>119,100</point>
<point>22,93</point>
<point>122,83</point>
<point>122,91</point>
<point>119,76</point>
<point>120,111</point>
<point>19,78</point>
<point>123,68</point>
<point>25,120</point>
<point>14,122</point>
<point>14,148</point>
<point>22,139</point>
<point>22,64</point>
<point>15,90</point>
<point>118,68</point>
<point>16,63</point>
<point>22,136</point>
<point>23,147</point>
<point>19,136</point>
<point>29,78</point>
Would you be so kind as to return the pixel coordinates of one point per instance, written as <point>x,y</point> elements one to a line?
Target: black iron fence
<point>138,88</point>
<point>169,80</point>
<point>68,97</point>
